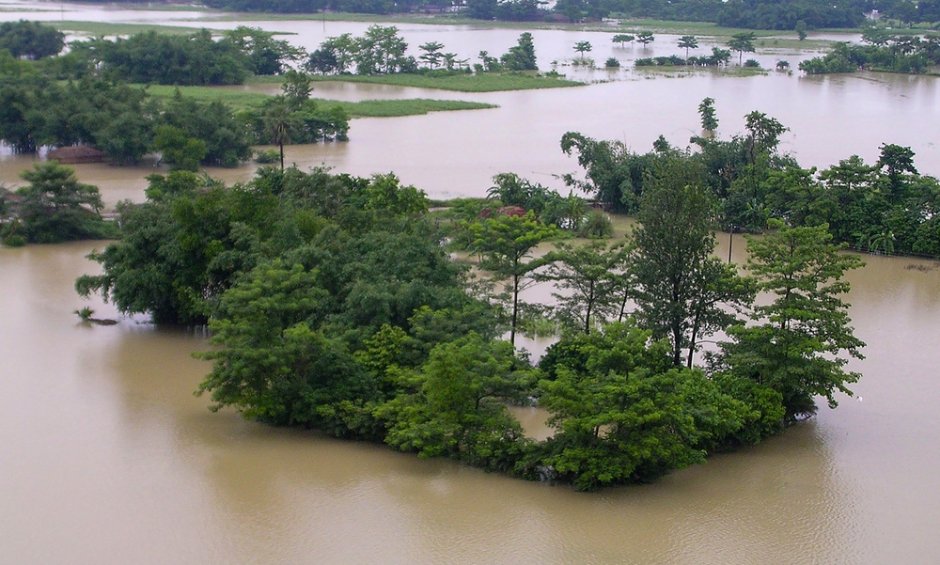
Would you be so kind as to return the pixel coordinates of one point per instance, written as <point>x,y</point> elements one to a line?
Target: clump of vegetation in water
<point>882,52</point>
<point>52,207</point>
<point>882,207</point>
<point>334,305</point>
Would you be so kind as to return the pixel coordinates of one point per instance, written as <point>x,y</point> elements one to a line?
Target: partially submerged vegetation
<point>882,207</point>
<point>52,207</point>
<point>246,99</point>
<point>883,51</point>
<point>334,305</point>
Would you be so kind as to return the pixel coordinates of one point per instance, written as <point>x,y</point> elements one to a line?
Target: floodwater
<point>106,456</point>
<point>452,154</point>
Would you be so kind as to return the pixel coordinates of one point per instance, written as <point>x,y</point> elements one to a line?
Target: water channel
<point>106,456</point>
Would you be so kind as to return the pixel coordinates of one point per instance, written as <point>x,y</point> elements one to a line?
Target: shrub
<point>267,156</point>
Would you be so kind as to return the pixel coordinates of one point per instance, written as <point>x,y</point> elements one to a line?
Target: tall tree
<point>279,124</point>
<point>681,290</point>
<point>505,244</point>
<point>521,57</point>
<point>431,53</point>
<point>582,47</point>
<point>742,43</point>
<point>688,42</point>
<point>706,110</point>
<point>799,346</point>
<point>589,282</point>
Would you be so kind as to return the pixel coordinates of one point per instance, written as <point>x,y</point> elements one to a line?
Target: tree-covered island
<point>334,304</point>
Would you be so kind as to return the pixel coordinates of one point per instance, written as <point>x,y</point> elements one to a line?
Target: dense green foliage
<point>192,59</point>
<point>682,291</point>
<point>334,305</point>
<point>52,207</point>
<point>381,51</point>
<point>885,207</point>
<point>126,123</point>
<point>794,346</point>
<point>30,39</point>
<point>900,54</point>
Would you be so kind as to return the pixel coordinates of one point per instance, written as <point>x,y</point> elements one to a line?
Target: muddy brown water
<point>108,457</point>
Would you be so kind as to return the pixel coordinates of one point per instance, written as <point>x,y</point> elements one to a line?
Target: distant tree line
<point>753,14</point>
<point>381,50</point>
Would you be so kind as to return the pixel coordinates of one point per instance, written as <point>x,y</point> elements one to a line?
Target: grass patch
<point>108,29</point>
<point>242,99</point>
<point>484,82</point>
<point>399,108</point>
<point>681,72</point>
<point>231,95</point>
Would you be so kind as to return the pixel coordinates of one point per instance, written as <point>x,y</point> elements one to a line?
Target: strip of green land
<point>241,99</point>
<point>481,82</point>
<point>108,28</point>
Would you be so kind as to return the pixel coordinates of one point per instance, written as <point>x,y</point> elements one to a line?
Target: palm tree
<point>882,243</point>
<point>278,124</point>
<point>688,42</point>
<point>581,47</point>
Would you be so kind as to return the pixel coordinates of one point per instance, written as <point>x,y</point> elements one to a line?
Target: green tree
<point>589,282</point>
<point>505,244</point>
<point>682,292</point>
<point>279,124</point>
<point>296,88</point>
<point>32,40</point>
<point>458,407</point>
<point>763,134</point>
<point>521,57</point>
<point>266,55</point>
<point>798,344</point>
<point>380,51</point>
<point>706,110</point>
<point>800,29</point>
<point>645,37</point>
<point>274,364</point>
<point>582,47</point>
<point>54,206</point>
<point>623,414</point>
<point>431,53</point>
<point>622,38</point>
<point>688,42</point>
<point>742,43</point>
<point>177,149</point>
